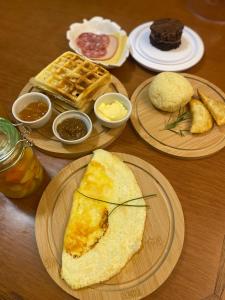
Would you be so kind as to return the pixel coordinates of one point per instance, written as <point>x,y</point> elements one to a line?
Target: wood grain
<point>100,137</point>
<point>220,280</point>
<point>32,33</point>
<point>150,123</point>
<point>162,240</point>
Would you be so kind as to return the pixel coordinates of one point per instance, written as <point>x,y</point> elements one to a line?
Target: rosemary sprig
<point>181,132</point>
<point>120,204</point>
<point>182,116</point>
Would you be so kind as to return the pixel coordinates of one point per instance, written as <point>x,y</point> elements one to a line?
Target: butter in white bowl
<point>113,109</point>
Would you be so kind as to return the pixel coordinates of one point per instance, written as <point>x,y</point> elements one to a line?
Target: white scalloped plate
<point>185,56</point>
<point>98,25</point>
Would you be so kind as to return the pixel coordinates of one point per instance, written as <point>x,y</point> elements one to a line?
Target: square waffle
<point>74,77</point>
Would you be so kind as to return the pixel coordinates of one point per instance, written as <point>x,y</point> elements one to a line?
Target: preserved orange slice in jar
<point>20,171</point>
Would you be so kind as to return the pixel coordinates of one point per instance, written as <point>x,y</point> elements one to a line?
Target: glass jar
<point>20,171</point>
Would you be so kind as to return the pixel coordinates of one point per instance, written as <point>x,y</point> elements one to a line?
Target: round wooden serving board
<point>162,241</point>
<point>101,136</point>
<point>150,122</point>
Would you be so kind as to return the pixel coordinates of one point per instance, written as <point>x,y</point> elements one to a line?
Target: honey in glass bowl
<point>20,171</point>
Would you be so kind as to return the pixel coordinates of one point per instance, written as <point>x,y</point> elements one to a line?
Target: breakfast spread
<point>33,111</point>
<point>97,46</point>
<point>72,129</point>
<point>74,77</point>
<point>170,91</point>
<point>113,111</point>
<point>201,118</point>
<point>101,234</point>
<point>166,34</point>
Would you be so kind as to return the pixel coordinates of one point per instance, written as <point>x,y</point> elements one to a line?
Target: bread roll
<point>170,91</point>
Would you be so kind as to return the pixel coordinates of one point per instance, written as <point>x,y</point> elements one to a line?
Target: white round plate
<point>185,56</point>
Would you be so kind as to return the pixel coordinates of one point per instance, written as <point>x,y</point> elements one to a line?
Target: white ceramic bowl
<point>98,25</point>
<point>72,114</point>
<point>26,99</point>
<point>109,98</point>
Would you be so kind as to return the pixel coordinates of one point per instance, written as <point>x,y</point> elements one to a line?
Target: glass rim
<point>12,146</point>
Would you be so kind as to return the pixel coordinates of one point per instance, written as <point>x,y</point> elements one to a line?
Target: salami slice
<point>94,45</point>
<point>94,53</point>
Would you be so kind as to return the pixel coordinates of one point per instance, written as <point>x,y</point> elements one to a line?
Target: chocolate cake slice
<point>166,34</point>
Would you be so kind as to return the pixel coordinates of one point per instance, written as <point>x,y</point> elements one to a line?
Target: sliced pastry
<point>201,118</point>
<point>215,107</point>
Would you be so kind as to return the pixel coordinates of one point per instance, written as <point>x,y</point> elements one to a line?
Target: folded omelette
<point>98,242</point>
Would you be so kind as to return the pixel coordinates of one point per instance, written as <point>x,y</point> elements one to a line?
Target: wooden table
<point>32,33</point>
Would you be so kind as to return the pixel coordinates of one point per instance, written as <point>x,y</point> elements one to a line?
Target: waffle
<point>74,77</point>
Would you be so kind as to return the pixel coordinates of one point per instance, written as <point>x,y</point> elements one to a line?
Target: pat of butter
<point>114,111</point>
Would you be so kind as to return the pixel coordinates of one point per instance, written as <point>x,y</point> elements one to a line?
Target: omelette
<point>101,237</point>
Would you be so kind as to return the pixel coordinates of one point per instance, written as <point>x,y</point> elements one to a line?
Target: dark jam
<point>72,129</point>
<point>33,111</point>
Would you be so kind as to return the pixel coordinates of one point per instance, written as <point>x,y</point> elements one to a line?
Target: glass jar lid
<point>9,137</point>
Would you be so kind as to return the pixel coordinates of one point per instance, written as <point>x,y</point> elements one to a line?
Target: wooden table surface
<point>32,33</point>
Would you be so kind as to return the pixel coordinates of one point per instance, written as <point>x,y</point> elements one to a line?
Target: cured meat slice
<point>97,46</point>
<point>93,53</point>
<point>86,39</point>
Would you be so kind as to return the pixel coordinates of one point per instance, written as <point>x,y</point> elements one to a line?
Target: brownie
<point>166,34</point>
